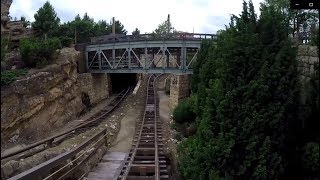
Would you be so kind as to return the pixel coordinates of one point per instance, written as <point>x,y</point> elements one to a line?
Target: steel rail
<point>145,159</point>
<point>42,170</point>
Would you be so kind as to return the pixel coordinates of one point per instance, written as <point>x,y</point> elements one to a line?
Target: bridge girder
<point>148,56</point>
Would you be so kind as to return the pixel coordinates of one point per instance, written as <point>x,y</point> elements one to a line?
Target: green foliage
<point>81,29</point>
<point>4,47</point>
<point>302,23</point>
<point>46,20</point>
<point>183,113</point>
<point>245,94</point>
<point>164,28</point>
<point>136,32</point>
<point>66,41</point>
<point>310,158</point>
<point>38,53</point>
<point>119,28</point>
<point>9,76</point>
<point>25,22</point>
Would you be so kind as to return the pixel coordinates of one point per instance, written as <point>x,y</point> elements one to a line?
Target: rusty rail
<point>93,121</point>
<point>42,171</point>
<point>146,159</point>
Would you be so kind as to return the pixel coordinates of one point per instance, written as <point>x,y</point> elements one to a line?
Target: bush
<point>38,53</point>
<point>8,77</point>
<point>183,112</point>
<point>311,158</point>
<point>66,41</point>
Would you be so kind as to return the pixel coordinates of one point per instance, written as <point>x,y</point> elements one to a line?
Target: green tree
<point>246,91</point>
<point>136,32</point>
<point>119,28</point>
<point>46,20</point>
<point>25,22</point>
<point>165,27</point>
<point>302,23</point>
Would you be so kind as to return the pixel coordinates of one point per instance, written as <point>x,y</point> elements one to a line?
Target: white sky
<point>204,16</point>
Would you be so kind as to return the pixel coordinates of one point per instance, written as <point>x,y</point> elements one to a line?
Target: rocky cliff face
<point>14,30</point>
<point>5,6</point>
<point>42,102</point>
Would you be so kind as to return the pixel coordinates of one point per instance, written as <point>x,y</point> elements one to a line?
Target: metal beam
<point>99,58</point>
<point>129,57</point>
<point>140,70</point>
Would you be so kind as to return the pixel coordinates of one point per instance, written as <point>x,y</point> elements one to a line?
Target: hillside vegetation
<point>245,94</point>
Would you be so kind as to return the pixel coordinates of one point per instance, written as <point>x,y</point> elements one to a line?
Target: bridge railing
<point>149,37</point>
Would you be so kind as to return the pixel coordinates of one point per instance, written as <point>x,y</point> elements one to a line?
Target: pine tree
<point>46,20</point>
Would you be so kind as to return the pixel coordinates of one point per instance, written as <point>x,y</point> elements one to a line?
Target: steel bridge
<point>145,53</point>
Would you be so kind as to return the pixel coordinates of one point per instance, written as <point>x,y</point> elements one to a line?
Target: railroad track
<point>58,138</point>
<point>146,159</point>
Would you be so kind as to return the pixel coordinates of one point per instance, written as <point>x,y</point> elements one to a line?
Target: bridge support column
<point>179,89</point>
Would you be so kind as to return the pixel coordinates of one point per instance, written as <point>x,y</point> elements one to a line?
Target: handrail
<point>52,138</point>
<point>44,168</point>
<point>143,37</point>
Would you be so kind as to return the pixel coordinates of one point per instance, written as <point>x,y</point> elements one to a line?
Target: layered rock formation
<point>14,30</point>
<point>46,100</point>
<point>5,6</point>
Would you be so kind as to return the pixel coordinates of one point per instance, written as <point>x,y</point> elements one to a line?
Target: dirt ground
<point>168,133</point>
<point>124,138</point>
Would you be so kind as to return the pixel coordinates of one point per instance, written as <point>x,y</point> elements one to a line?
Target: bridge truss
<point>146,53</point>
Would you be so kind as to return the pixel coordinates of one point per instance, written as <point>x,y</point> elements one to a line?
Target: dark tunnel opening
<point>121,81</point>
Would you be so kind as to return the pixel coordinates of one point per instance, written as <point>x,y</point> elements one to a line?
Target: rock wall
<point>45,100</point>
<point>5,6</point>
<point>95,85</point>
<point>307,57</point>
<point>179,89</point>
<point>14,30</point>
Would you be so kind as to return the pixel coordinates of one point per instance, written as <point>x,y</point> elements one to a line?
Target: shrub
<point>66,41</point>
<point>8,77</point>
<point>38,53</point>
<point>183,112</point>
<point>310,158</point>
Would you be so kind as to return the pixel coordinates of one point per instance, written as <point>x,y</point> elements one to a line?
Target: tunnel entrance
<point>121,81</point>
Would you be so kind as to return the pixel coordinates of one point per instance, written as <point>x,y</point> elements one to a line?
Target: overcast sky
<point>204,16</point>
